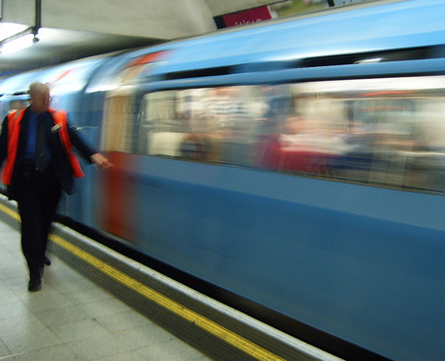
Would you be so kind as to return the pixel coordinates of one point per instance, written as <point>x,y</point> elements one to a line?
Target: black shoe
<point>35,284</point>
<point>47,261</point>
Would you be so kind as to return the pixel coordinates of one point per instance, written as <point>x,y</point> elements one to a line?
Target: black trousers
<point>38,194</point>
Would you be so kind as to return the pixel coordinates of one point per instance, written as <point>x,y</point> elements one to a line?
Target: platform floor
<point>71,318</point>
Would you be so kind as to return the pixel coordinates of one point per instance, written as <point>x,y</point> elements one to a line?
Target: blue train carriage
<point>299,165</point>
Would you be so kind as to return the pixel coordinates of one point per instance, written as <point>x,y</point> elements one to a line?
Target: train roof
<point>377,27</point>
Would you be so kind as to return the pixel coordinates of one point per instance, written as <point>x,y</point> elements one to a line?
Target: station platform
<point>72,318</point>
<point>96,304</point>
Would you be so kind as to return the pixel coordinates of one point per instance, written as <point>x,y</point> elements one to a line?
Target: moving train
<point>298,164</point>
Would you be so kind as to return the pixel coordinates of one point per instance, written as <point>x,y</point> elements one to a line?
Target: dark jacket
<point>58,156</point>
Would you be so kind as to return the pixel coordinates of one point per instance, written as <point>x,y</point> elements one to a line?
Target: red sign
<point>248,17</point>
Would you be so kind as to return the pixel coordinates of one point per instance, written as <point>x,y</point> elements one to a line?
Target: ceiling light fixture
<point>24,38</point>
<point>18,43</point>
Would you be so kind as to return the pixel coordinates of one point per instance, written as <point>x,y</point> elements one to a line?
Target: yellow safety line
<point>10,212</point>
<point>213,328</point>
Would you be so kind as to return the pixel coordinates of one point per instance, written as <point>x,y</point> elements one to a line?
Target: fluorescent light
<point>8,30</point>
<point>18,44</point>
<point>369,61</point>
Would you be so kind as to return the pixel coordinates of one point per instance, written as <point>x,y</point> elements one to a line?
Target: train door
<point>118,193</point>
<point>116,203</point>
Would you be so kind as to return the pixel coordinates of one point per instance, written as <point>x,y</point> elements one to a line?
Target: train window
<point>216,125</point>
<point>383,132</point>
<point>118,120</point>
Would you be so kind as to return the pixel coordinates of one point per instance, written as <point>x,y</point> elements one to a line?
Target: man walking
<point>37,144</point>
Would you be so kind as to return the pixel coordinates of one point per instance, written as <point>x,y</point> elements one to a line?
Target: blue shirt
<point>30,149</point>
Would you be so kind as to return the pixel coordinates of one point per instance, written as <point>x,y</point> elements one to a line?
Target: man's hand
<point>101,161</point>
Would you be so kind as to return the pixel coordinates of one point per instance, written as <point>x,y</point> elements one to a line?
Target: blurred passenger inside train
<point>306,140</point>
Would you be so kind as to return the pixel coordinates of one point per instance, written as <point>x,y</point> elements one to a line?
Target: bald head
<point>40,97</point>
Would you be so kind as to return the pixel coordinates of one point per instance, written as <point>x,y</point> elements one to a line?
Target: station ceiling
<point>72,30</point>
<point>56,46</point>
